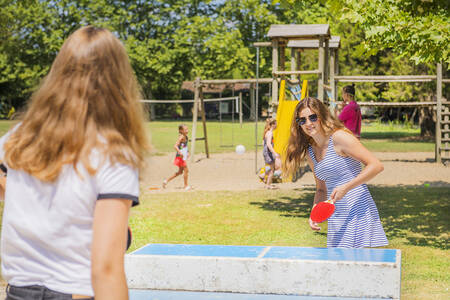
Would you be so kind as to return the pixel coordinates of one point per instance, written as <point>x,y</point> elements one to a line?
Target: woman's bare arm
<point>319,196</point>
<point>108,249</point>
<point>348,145</point>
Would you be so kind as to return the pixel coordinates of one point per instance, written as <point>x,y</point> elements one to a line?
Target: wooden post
<point>274,79</point>
<point>438,112</point>
<point>240,108</point>
<point>205,135</point>
<point>336,72</point>
<point>321,69</point>
<point>293,62</point>
<point>336,59</point>
<point>195,116</point>
<point>326,62</point>
<point>332,81</point>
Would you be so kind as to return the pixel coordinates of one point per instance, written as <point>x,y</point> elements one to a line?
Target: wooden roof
<point>216,88</point>
<point>299,31</point>
<point>334,42</point>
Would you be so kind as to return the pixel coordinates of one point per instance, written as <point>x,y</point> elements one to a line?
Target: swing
<point>224,107</point>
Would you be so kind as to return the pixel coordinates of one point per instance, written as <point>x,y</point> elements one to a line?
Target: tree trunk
<point>427,122</point>
<point>149,95</point>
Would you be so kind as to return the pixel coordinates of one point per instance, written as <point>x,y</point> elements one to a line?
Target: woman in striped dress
<point>335,156</point>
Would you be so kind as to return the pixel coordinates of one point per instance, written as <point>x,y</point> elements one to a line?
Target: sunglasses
<point>301,121</point>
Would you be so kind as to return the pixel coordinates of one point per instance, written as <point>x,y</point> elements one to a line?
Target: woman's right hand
<point>314,225</point>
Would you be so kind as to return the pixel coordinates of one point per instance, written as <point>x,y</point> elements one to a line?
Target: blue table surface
<point>182,295</point>
<point>301,253</point>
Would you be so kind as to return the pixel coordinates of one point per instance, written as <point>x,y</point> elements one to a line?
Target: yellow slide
<point>285,113</point>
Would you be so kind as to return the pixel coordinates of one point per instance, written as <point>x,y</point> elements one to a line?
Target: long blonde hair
<point>88,100</point>
<point>299,140</point>
<point>269,123</point>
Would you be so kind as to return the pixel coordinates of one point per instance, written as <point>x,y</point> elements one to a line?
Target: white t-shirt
<point>47,227</point>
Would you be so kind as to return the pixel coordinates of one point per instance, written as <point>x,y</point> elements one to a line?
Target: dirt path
<point>230,171</point>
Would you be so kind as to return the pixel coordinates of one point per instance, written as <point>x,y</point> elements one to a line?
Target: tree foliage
<point>167,41</point>
<point>171,41</point>
<point>416,29</point>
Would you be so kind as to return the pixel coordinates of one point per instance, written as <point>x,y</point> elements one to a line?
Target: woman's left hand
<point>338,193</point>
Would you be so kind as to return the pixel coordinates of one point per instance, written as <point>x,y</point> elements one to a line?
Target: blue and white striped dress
<point>355,222</point>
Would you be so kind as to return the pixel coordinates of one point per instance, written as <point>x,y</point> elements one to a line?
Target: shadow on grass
<point>426,160</point>
<point>289,206</point>
<point>399,136</point>
<point>418,214</point>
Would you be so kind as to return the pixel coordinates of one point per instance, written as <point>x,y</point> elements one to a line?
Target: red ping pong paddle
<point>322,211</point>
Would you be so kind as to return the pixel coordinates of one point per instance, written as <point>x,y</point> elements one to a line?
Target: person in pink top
<point>351,112</point>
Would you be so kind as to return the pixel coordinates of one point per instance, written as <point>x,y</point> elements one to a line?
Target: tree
<point>167,41</point>
<point>30,40</point>
<point>418,30</point>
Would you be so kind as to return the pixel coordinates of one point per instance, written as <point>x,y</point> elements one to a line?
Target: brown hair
<point>299,141</point>
<point>350,90</point>
<point>269,123</point>
<point>89,99</point>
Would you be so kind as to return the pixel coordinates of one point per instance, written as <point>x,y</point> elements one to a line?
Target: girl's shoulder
<point>340,133</point>
<point>269,133</point>
<point>342,136</point>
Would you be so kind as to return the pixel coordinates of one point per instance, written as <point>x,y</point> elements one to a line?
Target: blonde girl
<point>73,164</point>
<point>335,155</point>
<point>181,156</point>
<point>270,156</point>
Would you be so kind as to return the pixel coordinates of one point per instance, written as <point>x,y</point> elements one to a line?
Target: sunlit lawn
<point>224,136</point>
<point>391,137</point>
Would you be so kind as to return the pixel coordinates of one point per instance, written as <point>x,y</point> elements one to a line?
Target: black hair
<point>349,89</point>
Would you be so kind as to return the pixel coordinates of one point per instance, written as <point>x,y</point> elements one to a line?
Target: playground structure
<point>317,36</point>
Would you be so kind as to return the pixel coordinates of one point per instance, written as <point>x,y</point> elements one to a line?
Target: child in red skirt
<point>182,154</point>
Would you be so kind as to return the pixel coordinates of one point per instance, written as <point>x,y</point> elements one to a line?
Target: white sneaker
<point>164,184</point>
<point>188,188</point>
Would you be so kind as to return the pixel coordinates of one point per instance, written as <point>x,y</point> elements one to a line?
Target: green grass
<point>375,136</point>
<point>223,137</point>
<point>415,219</point>
<point>394,137</point>
<point>5,125</point>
